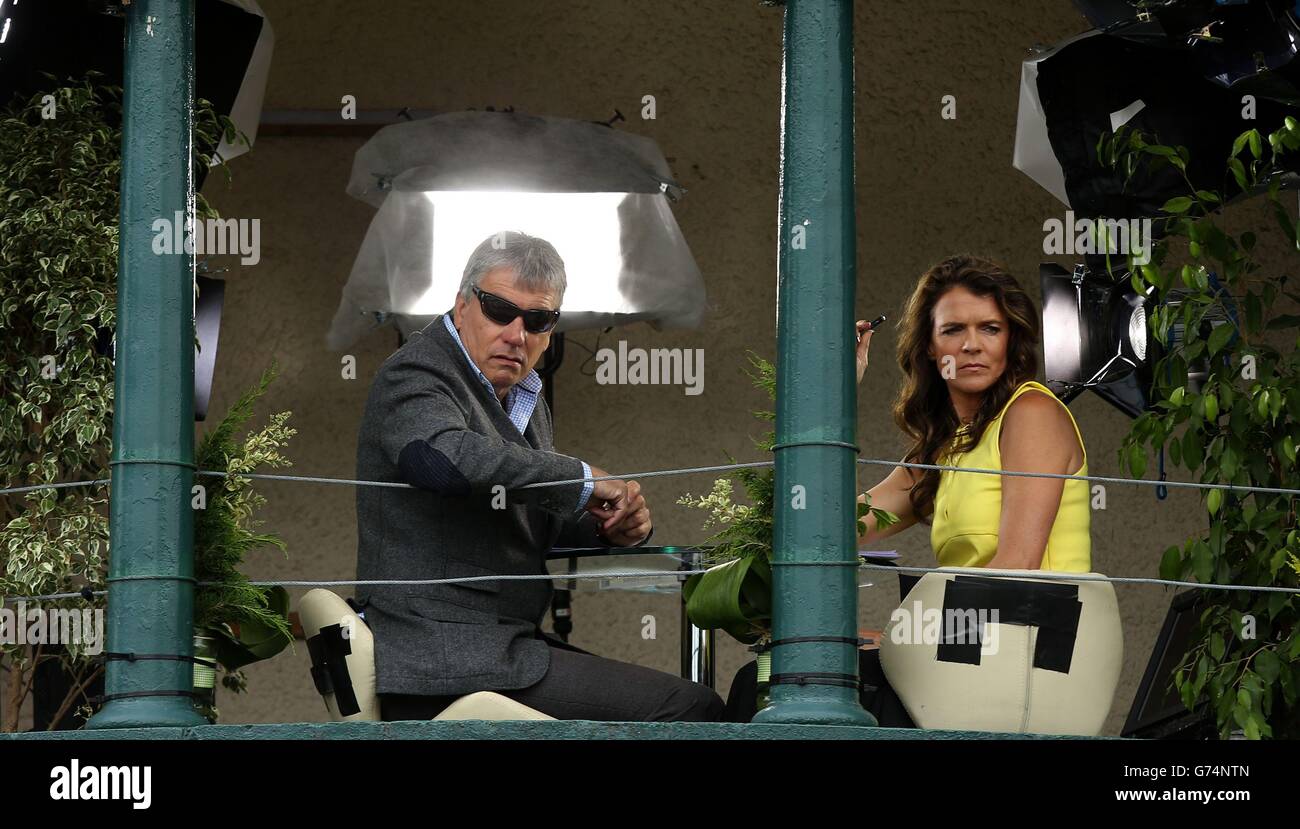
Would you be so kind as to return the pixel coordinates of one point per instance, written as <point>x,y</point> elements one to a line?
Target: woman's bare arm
<point>1037,436</point>
<point>890,494</point>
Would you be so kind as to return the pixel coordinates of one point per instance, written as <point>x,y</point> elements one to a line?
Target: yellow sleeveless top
<point>968,506</point>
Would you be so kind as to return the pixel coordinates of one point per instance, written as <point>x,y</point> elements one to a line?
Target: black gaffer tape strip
<point>794,640</point>
<point>108,656</point>
<point>95,701</point>
<point>329,650</point>
<point>843,680</point>
<point>854,563</point>
<point>1052,608</point>
<point>837,444</point>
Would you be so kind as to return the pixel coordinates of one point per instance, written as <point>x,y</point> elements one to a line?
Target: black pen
<point>871,326</point>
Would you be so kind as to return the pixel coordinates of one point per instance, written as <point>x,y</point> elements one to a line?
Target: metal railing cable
<point>693,470</point>
<point>1053,576</point>
<point>690,470</point>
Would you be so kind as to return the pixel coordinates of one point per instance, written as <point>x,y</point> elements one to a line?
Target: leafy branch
<point>1216,314</point>
<point>60,169</point>
<point>249,622</point>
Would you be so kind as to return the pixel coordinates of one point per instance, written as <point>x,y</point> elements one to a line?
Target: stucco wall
<point>926,188</point>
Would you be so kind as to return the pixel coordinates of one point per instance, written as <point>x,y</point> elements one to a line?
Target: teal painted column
<point>815,591</point>
<point>151,528</point>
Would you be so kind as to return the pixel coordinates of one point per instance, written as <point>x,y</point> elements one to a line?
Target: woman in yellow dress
<point>968,351</point>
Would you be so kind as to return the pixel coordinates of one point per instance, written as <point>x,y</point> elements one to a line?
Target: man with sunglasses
<point>457,412</point>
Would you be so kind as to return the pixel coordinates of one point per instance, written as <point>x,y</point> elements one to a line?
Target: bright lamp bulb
<point>583,227</point>
<point>1137,332</point>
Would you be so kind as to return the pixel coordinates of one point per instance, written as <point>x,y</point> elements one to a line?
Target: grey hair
<point>536,263</point>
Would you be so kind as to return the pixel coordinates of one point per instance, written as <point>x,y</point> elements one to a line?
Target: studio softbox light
<point>1093,84</point>
<point>444,184</point>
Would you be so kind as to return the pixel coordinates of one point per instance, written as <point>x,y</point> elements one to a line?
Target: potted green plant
<point>735,594</point>
<point>1239,426</point>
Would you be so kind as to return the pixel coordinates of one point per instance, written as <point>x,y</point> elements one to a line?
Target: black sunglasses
<point>503,312</point>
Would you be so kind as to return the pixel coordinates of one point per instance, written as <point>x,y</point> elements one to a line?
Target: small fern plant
<point>736,594</point>
<point>247,622</point>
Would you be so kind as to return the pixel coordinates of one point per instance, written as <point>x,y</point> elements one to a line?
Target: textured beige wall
<point>926,188</point>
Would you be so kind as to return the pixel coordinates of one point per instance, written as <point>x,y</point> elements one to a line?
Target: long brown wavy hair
<point>923,408</point>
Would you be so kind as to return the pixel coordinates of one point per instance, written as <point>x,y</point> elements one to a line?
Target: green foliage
<point>58,268</point>
<point>59,179</point>
<point>746,528</point>
<point>248,622</point>
<point>1239,428</point>
<point>735,595</point>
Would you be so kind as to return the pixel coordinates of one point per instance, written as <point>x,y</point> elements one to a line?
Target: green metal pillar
<point>815,591</point>
<point>151,527</point>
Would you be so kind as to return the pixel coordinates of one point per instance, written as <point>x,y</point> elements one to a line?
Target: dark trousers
<point>876,695</point>
<point>582,686</point>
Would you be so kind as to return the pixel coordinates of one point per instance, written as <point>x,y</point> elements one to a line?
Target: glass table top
<point>642,569</point>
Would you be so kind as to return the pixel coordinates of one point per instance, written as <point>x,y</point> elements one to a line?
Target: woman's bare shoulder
<point>1034,402</point>
<point>1037,419</point>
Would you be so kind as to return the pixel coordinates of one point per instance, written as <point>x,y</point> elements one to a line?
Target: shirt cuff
<point>586,487</point>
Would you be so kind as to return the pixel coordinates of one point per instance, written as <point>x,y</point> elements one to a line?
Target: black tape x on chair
<point>968,651</point>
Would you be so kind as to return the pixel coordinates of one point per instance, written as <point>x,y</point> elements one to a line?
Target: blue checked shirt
<point>521,401</point>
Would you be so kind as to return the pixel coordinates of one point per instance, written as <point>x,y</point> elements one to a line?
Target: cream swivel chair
<point>342,650</point>
<point>1049,664</point>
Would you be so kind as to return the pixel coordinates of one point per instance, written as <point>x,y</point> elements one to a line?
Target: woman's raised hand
<point>863,329</point>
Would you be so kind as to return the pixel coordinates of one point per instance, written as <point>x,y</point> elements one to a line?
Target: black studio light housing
<point>1179,71</point>
<point>209,294</point>
<point>1096,336</point>
<point>65,39</point>
<point>1245,46</point>
<point>1189,73</point>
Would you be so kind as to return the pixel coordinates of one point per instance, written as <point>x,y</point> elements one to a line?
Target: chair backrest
<point>487,705</point>
<point>969,652</point>
<point>342,650</point>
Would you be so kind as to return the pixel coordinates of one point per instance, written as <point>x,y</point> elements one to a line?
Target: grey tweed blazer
<point>429,421</point>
